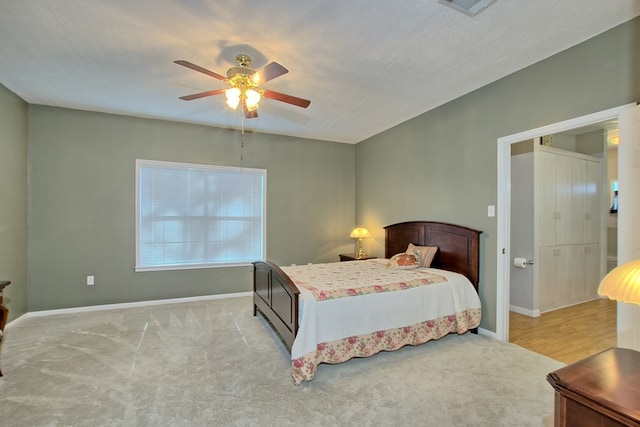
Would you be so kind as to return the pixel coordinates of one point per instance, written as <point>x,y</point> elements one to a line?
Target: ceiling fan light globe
<point>233,97</point>
<point>253,98</point>
<point>233,103</point>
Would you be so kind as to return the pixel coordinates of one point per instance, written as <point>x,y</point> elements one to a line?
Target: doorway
<point>504,202</point>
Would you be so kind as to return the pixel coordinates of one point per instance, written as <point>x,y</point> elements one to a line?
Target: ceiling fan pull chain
<point>241,139</point>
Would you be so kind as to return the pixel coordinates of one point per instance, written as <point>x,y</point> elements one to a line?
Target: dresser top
<point>610,378</point>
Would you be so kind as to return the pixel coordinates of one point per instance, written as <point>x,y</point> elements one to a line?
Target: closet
<point>567,225</point>
<point>560,222</point>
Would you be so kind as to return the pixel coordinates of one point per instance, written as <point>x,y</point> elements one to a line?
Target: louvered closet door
<point>578,200</point>
<point>547,278</point>
<point>593,206</point>
<point>570,272</point>
<point>564,276</point>
<point>570,200</point>
<point>591,270</point>
<point>546,202</point>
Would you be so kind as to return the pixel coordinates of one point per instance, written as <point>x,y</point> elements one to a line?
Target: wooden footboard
<point>276,297</point>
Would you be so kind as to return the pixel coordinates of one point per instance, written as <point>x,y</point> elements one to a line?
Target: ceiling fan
<point>245,85</point>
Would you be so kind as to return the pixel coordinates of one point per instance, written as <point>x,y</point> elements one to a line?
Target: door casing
<point>504,202</point>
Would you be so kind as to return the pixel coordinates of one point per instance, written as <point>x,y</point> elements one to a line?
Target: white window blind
<point>191,216</point>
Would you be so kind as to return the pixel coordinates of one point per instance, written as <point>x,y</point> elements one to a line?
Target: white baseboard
<point>481,331</point>
<point>574,303</point>
<point>131,305</point>
<point>491,334</point>
<point>524,311</point>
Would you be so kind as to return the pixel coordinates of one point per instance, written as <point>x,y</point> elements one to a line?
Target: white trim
<point>504,202</point>
<point>132,304</point>
<point>193,266</point>
<point>524,311</point>
<point>484,332</point>
<point>628,314</point>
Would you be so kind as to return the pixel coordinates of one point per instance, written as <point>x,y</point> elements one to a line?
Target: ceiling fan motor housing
<point>239,71</point>
<point>240,76</point>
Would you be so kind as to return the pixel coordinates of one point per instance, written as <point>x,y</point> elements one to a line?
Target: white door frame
<point>628,315</point>
<point>504,203</point>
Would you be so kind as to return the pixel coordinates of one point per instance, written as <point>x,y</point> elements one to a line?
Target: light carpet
<point>211,363</point>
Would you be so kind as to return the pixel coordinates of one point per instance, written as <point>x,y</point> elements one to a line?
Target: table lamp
<point>360,233</point>
<point>622,283</point>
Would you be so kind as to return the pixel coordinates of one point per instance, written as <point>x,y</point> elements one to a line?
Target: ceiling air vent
<point>468,7</point>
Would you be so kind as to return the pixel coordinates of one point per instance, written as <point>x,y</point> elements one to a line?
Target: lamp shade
<point>622,283</point>
<point>360,233</point>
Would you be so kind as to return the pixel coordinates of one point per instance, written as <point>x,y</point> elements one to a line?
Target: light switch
<point>491,211</point>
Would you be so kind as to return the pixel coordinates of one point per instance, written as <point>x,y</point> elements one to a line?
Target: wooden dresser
<point>4,312</point>
<point>602,390</point>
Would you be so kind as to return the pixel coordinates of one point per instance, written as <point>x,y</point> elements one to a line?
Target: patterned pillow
<point>403,261</point>
<point>424,254</point>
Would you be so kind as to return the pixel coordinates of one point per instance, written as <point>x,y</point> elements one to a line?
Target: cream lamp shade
<point>622,283</point>
<point>360,233</point>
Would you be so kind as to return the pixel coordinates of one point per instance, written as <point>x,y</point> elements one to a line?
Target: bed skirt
<point>338,351</point>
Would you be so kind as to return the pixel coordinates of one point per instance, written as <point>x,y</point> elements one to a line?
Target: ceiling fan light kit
<point>244,85</point>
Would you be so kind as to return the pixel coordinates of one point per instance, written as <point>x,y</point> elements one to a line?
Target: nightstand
<point>354,257</point>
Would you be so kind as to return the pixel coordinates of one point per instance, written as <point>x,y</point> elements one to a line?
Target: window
<point>194,216</point>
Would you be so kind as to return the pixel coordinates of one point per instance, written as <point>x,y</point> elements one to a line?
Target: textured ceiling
<point>365,65</point>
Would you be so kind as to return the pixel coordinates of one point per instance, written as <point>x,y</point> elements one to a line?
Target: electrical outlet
<point>90,280</point>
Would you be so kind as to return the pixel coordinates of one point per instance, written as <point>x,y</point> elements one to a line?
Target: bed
<point>320,321</point>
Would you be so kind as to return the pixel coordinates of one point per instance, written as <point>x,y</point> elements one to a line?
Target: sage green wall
<point>13,194</point>
<point>81,216</point>
<point>442,165</point>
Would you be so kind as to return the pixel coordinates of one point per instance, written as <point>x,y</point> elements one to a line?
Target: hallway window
<point>197,216</point>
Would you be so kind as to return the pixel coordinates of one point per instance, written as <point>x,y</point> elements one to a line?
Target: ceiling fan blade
<point>200,69</point>
<point>304,103</point>
<point>268,72</point>
<point>249,114</point>
<point>202,94</point>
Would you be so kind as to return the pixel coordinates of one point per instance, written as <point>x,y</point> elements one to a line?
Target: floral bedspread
<point>346,279</point>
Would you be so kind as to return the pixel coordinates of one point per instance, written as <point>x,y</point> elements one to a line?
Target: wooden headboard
<point>458,246</point>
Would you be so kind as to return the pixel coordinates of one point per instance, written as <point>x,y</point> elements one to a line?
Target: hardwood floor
<point>569,334</point>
